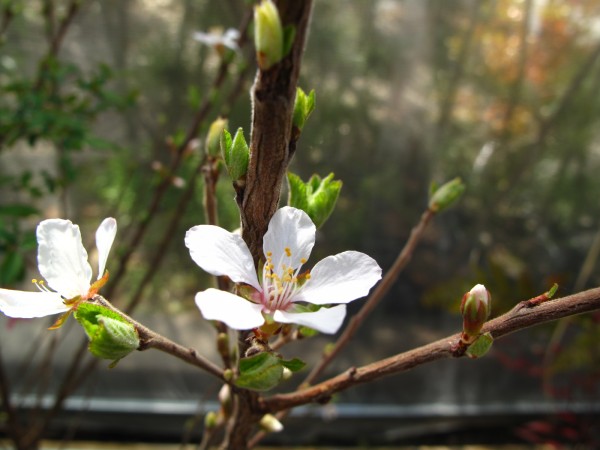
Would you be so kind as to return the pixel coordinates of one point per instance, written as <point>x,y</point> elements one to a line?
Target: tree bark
<point>273,97</point>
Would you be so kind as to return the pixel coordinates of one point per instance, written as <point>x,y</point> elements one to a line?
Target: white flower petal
<point>26,305</point>
<point>289,228</point>
<point>234,311</point>
<point>325,320</point>
<point>105,236</point>
<point>220,252</point>
<point>340,279</point>
<point>62,260</point>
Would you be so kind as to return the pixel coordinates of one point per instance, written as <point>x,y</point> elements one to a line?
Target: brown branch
<point>517,319</point>
<point>151,339</point>
<point>273,97</point>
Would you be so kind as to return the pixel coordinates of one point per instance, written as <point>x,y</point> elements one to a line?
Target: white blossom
<point>63,262</point>
<point>228,39</point>
<point>282,288</point>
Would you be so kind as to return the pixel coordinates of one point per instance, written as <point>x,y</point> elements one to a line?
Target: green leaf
<point>111,336</point>
<point>298,194</point>
<point>293,364</point>
<point>260,372</point>
<point>481,346</point>
<point>552,290</point>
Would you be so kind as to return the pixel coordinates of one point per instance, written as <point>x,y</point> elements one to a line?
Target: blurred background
<point>104,109</point>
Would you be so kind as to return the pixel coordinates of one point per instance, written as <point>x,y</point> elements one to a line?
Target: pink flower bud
<point>475,308</point>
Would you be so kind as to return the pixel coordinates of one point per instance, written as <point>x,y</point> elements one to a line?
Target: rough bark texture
<point>273,97</point>
<point>272,107</point>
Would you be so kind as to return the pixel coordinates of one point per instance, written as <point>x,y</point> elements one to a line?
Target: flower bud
<point>446,195</point>
<point>287,374</point>
<point>235,153</point>
<point>226,400</point>
<point>475,308</point>
<point>111,336</point>
<point>211,420</point>
<point>213,138</point>
<point>270,424</point>
<point>317,197</point>
<point>268,35</point>
<point>304,105</point>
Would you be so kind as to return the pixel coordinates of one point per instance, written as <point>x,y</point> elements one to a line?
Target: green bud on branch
<point>236,154</point>
<point>475,307</point>
<point>317,197</point>
<point>446,195</point>
<point>213,137</point>
<point>270,424</point>
<point>304,105</point>
<point>111,336</point>
<point>268,35</point>
<point>211,420</point>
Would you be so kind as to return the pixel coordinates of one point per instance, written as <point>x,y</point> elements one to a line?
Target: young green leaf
<point>481,346</point>
<point>259,372</point>
<point>317,197</point>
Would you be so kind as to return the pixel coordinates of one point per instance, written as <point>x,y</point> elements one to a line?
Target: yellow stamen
<point>288,252</point>
<point>302,260</point>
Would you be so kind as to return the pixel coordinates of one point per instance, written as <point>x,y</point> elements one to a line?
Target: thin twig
<point>382,288</point>
<point>151,339</point>
<point>514,320</point>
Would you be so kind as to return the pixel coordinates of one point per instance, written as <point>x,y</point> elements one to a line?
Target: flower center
<point>281,281</point>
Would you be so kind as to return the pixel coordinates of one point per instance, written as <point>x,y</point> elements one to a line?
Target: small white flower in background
<point>287,245</point>
<point>63,262</point>
<point>218,40</point>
